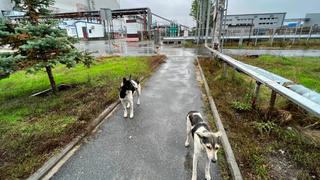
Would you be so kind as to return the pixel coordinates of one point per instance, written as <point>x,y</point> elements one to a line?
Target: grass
<point>277,44</point>
<point>258,141</point>
<point>302,70</point>
<point>32,129</point>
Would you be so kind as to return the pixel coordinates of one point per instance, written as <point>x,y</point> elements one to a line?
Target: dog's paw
<point>125,115</point>
<point>208,177</point>
<point>186,144</point>
<point>131,116</point>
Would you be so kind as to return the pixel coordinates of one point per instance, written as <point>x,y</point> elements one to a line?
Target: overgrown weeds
<point>259,142</point>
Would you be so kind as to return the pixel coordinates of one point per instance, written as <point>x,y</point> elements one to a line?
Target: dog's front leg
<point>187,143</point>
<point>207,173</point>
<point>194,166</point>
<point>130,98</point>
<point>124,104</point>
<point>139,93</point>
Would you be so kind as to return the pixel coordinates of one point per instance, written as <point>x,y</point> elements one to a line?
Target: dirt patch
<point>265,147</point>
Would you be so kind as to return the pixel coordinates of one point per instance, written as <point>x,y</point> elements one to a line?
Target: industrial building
<point>241,24</point>
<point>258,21</point>
<point>312,19</point>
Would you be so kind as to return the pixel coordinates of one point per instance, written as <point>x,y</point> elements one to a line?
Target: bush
<point>265,127</point>
<point>240,106</point>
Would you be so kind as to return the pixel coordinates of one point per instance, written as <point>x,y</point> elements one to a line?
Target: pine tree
<point>39,41</point>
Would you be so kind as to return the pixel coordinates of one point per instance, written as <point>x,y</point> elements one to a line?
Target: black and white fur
<point>204,141</point>
<point>127,89</point>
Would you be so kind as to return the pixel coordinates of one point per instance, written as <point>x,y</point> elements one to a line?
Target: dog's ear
<point>218,136</point>
<point>130,77</point>
<point>124,80</point>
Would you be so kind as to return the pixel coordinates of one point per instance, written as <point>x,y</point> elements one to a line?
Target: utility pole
<point>208,21</point>
<point>198,22</point>
<point>225,29</point>
<point>220,7</point>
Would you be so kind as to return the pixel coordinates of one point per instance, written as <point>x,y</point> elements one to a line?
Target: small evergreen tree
<point>39,42</point>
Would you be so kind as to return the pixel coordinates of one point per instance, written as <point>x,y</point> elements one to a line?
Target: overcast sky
<point>179,9</point>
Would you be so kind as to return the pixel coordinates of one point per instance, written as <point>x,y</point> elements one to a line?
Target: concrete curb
<point>53,161</point>
<point>233,166</point>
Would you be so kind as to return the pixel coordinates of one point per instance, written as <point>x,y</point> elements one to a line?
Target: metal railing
<point>298,94</point>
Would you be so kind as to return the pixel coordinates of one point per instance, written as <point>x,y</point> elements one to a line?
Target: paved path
<point>156,147</point>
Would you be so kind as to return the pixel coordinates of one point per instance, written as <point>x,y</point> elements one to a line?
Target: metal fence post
<point>272,103</point>
<point>309,33</point>
<point>257,34</point>
<point>255,99</point>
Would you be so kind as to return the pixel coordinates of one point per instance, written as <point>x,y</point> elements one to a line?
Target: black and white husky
<point>204,141</point>
<point>127,89</point>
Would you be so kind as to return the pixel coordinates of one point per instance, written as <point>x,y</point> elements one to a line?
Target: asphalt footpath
<point>150,146</point>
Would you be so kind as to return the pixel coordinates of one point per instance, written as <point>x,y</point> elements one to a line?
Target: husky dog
<point>204,141</point>
<point>127,89</point>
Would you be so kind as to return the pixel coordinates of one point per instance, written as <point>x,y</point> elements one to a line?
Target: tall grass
<point>302,70</point>
<point>22,84</point>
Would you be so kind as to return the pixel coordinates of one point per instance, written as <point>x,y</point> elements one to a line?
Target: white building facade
<point>263,20</point>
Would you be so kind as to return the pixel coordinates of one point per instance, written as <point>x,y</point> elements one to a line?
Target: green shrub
<point>265,127</point>
<point>240,106</point>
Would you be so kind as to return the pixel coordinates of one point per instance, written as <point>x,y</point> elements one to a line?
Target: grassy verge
<point>265,148</point>
<point>302,70</point>
<point>277,44</point>
<point>33,128</point>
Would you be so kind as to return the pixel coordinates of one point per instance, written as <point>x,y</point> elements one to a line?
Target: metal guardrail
<point>313,36</point>
<point>298,94</point>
